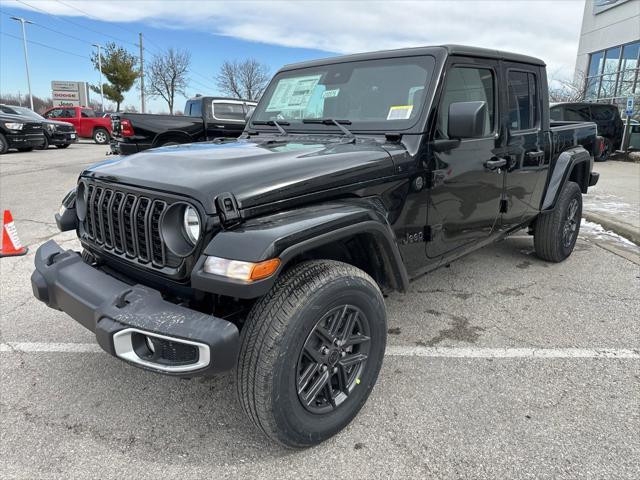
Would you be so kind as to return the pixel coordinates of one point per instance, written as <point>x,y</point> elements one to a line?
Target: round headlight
<point>191,224</point>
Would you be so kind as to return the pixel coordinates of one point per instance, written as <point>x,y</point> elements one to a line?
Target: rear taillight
<point>126,129</point>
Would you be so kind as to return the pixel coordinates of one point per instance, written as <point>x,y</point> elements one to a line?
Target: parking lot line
<point>393,351</point>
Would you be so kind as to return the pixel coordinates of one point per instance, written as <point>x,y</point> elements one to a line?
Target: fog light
<point>247,271</point>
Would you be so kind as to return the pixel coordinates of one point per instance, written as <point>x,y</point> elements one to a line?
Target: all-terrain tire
<point>556,231</point>
<point>281,326</point>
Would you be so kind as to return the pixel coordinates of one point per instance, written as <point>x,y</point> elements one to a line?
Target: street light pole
<point>26,55</point>
<point>100,68</point>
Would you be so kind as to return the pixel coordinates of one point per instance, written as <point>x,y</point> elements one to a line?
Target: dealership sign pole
<point>26,55</point>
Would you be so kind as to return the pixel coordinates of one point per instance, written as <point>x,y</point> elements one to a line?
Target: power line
<point>54,30</point>
<point>33,42</point>
<point>77,24</point>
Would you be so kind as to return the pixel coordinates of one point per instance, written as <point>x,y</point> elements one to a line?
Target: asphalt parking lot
<point>501,365</point>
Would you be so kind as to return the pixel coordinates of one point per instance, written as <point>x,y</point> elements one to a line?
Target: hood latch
<point>227,207</point>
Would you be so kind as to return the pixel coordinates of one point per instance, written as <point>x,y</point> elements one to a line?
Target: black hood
<point>255,172</point>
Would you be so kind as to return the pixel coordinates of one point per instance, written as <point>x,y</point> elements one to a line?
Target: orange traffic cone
<point>10,245</point>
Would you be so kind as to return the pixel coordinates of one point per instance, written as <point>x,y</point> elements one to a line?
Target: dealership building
<point>608,60</point>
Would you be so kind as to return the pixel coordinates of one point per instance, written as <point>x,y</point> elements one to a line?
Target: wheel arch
<point>573,165</point>
<point>172,135</point>
<point>354,234</point>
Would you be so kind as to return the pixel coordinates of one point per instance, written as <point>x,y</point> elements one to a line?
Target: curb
<point>624,230</point>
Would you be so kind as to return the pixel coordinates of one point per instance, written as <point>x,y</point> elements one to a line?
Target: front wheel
<point>45,145</point>
<point>556,232</point>
<point>311,351</point>
<point>101,136</point>
<point>4,145</point>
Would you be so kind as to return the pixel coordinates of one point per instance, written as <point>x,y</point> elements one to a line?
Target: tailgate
<point>115,124</point>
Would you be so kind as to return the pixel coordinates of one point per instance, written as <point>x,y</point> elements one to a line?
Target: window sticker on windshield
<point>399,112</point>
<point>331,93</point>
<point>292,93</point>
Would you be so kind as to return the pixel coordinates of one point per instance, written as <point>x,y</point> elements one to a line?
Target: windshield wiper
<point>273,123</point>
<point>332,121</point>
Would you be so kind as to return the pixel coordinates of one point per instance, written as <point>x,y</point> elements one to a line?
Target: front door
<point>464,203</point>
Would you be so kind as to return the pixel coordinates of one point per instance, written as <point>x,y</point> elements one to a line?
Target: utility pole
<point>141,74</point>
<point>26,55</point>
<point>100,68</point>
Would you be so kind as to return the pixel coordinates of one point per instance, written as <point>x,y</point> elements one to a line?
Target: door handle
<point>535,155</point>
<point>495,163</point>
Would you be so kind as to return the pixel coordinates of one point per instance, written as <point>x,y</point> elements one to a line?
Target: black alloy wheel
<point>332,359</point>
<point>570,227</point>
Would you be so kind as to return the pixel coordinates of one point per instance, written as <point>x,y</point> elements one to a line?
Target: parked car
<point>85,121</point>
<point>606,116</point>
<point>19,132</point>
<point>270,253</point>
<point>634,135</point>
<point>205,118</point>
<point>60,134</point>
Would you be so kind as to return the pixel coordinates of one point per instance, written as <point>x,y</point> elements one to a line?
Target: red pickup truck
<point>87,123</point>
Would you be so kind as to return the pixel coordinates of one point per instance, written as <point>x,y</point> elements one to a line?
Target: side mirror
<point>250,110</point>
<point>467,119</point>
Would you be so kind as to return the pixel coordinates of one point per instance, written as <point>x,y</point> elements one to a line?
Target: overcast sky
<point>288,31</point>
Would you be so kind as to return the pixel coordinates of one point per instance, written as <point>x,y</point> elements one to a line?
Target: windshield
<point>383,94</point>
<point>23,111</point>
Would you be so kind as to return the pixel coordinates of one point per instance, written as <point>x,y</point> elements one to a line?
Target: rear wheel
<point>4,146</point>
<point>101,136</point>
<point>311,351</point>
<point>607,148</point>
<point>556,231</point>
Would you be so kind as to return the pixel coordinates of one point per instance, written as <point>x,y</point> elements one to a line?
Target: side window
<point>466,84</point>
<point>523,100</point>
<point>55,113</point>
<point>68,113</point>
<point>195,109</point>
<point>555,114</point>
<point>577,113</point>
<point>602,113</point>
<point>86,113</point>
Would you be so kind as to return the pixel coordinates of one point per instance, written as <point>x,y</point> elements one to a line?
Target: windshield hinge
<point>227,207</point>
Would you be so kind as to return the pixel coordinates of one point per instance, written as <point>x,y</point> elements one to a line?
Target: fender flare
<point>286,235</point>
<point>161,137</point>
<point>564,166</point>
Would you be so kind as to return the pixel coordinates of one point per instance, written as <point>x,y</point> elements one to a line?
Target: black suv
<point>605,116</point>
<point>60,134</point>
<point>270,253</point>
<point>20,132</point>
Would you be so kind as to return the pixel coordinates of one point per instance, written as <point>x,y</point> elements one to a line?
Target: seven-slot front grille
<point>127,224</point>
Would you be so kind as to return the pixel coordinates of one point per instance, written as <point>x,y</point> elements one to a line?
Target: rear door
<point>464,204</point>
<point>526,142</point>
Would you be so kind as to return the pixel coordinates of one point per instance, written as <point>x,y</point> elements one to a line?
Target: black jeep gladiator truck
<point>205,118</point>
<point>270,253</point>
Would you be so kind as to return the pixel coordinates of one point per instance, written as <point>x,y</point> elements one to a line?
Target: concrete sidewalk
<point>614,202</point>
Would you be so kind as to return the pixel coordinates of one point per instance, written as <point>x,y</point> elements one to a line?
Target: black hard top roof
<point>434,50</point>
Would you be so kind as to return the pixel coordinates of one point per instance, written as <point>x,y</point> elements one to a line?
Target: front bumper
<point>62,138</point>
<point>123,316</point>
<point>25,140</point>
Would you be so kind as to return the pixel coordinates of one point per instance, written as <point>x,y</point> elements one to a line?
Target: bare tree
<point>561,90</point>
<point>245,79</point>
<point>167,75</point>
